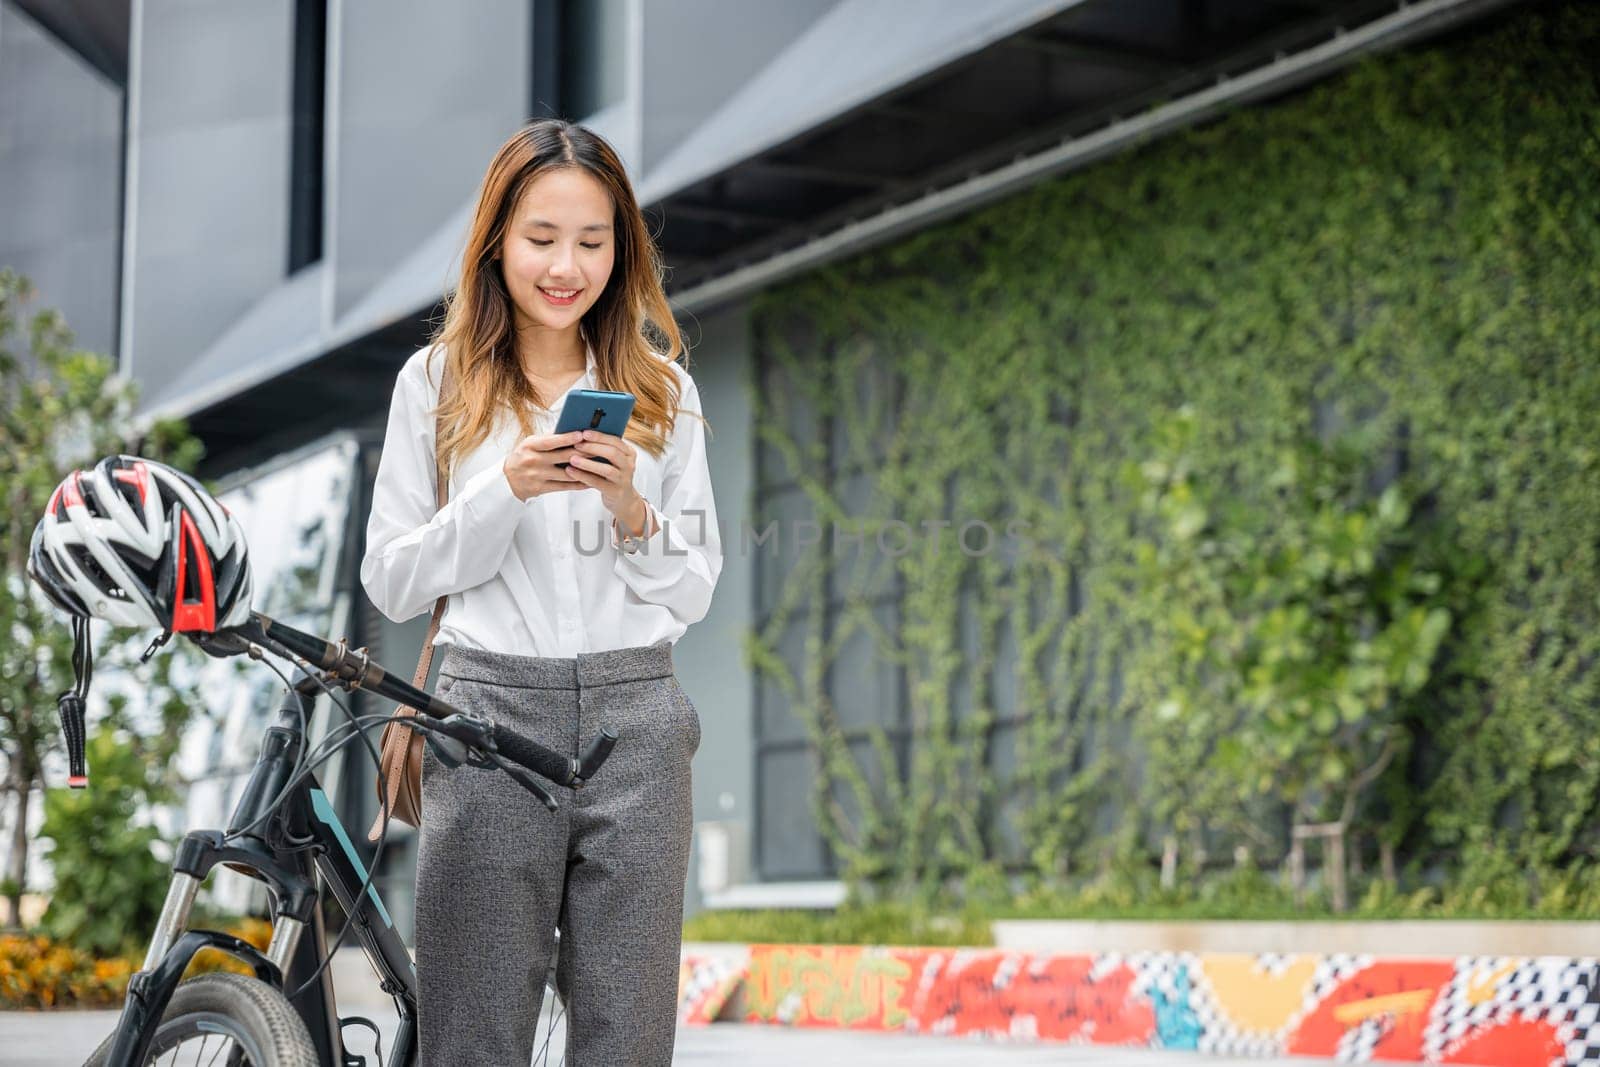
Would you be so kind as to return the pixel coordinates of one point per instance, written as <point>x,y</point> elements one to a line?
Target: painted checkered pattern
<point>1106,963</point>
<point>1487,990</point>
<point>1581,1018</point>
<point>1222,1036</point>
<point>1358,1043</point>
<point>1331,973</point>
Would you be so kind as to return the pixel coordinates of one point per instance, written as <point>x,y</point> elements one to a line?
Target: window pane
<point>790,845</point>
<point>865,682</point>
<point>778,721</point>
<point>593,54</point>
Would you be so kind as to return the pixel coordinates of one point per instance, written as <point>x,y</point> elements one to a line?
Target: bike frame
<point>288,850</point>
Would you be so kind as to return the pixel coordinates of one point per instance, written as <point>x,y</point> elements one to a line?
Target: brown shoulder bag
<point>400,748</point>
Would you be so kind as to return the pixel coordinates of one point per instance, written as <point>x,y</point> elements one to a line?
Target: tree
<point>61,407</point>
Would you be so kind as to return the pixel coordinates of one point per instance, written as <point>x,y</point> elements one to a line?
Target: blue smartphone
<point>595,409</point>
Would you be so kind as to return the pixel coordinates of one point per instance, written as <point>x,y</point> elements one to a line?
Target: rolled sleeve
<point>677,566</point>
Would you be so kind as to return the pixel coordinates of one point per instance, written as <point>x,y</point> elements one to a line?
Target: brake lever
<point>451,751</point>
<point>524,779</point>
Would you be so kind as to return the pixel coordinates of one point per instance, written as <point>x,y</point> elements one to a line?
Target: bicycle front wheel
<point>226,1018</point>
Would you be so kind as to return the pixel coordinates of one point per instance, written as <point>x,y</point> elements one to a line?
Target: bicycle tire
<point>258,1017</point>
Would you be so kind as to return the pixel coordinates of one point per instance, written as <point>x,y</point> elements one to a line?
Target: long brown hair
<point>626,327</point>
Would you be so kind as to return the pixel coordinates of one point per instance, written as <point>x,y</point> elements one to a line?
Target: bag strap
<point>441,497</point>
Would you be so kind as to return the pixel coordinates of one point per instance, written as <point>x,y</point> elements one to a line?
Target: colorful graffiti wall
<point>1487,1011</point>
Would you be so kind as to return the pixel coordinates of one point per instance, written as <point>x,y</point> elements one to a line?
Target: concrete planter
<point>1411,937</point>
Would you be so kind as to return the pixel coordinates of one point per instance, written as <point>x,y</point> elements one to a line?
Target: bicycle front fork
<point>174,919</point>
<point>172,947</point>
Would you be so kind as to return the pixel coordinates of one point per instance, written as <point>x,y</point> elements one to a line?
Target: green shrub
<point>109,884</point>
<point>871,924</point>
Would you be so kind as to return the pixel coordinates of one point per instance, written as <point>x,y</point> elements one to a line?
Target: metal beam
<point>1097,52</point>
<point>1321,7</point>
<point>825,175</point>
<point>1408,22</point>
<point>891,108</point>
<point>717,213</point>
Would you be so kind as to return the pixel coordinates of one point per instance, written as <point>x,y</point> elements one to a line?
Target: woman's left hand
<point>614,480</point>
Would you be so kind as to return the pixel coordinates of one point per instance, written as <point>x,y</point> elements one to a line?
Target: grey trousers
<point>497,873</point>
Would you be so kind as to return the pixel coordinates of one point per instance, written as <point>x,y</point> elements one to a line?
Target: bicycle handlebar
<point>357,670</point>
<point>524,751</point>
<point>534,756</point>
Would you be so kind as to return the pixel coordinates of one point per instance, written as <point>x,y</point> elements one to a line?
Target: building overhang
<point>96,31</point>
<point>1088,81</point>
<point>1073,82</point>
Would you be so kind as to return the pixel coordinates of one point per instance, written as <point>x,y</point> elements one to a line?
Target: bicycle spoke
<point>556,1015</point>
<point>228,1053</point>
<point>226,1041</point>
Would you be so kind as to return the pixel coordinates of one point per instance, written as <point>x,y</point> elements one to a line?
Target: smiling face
<point>558,250</point>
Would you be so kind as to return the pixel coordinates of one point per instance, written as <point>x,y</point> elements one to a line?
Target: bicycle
<point>284,832</point>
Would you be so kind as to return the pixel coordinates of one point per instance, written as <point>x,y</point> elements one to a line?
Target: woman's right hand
<point>531,466</point>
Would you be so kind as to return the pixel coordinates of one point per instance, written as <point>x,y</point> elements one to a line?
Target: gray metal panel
<point>709,658</point>
<point>60,177</point>
<point>698,52</point>
<point>854,53</point>
<point>277,334</point>
<point>208,173</point>
<point>420,95</point>
<point>433,265</point>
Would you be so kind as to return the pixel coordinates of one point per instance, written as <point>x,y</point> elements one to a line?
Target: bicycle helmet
<point>137,543</point>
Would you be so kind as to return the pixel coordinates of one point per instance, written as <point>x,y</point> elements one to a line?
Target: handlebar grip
<point>70,707</point>
<point>562,770</point>
<point>594,756</point>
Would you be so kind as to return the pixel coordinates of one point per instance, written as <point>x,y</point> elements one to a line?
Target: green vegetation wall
<point>1295,419</point>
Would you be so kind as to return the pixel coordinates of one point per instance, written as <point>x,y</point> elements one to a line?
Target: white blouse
<point>546,576</point>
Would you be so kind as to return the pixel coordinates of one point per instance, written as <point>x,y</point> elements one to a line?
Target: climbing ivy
<point>1401,264</point>
<point>1297,626</point>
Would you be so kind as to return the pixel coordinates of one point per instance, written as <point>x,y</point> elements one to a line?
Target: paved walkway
<point>65,1038</point>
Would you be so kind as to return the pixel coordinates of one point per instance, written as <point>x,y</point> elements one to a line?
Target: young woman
<point>567,587</point>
